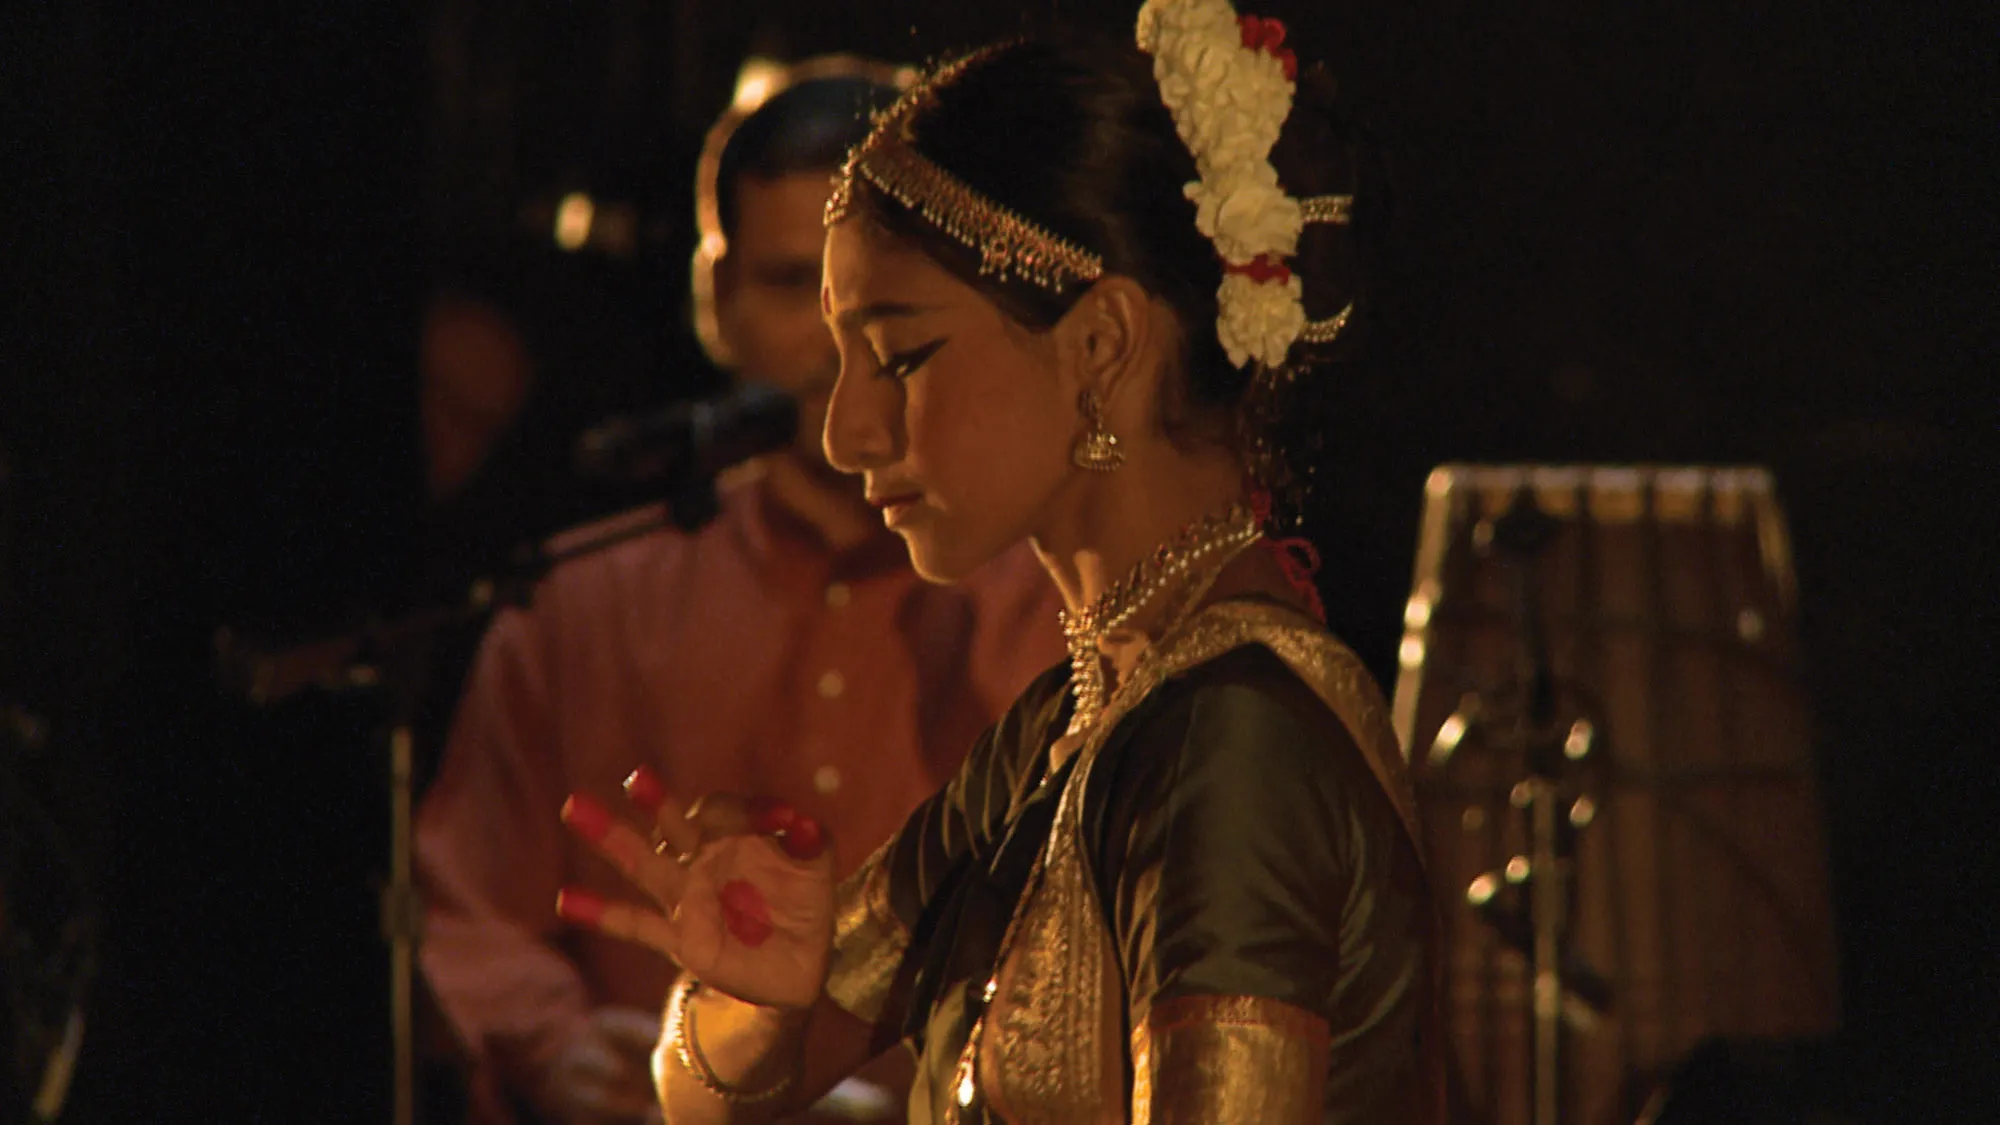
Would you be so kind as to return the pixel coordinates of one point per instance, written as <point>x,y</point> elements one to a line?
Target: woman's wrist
<point>744,1053</point>
<point>774,1018</point>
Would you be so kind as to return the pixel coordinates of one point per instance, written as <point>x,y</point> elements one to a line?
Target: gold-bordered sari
<point>1225,918</point>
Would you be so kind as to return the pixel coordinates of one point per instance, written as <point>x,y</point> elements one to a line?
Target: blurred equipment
<point>673,455</point>
<point>690,442</point>
<point>676,455</point>
<point>683,449</point>
<point>1601,699</point>
<point>50,919</point>
<point>49,923</point>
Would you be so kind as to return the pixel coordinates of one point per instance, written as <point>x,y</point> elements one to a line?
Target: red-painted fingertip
<point>769,815</point>
<point>646,789</point>
<point>586,817</point>
<point>745,912</point>
<point>804,839</point>
<point>581,907</point>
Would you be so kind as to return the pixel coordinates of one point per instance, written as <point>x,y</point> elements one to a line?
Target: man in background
<point>787,650</point>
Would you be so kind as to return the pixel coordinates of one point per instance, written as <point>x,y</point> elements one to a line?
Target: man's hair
<point>806,127</point>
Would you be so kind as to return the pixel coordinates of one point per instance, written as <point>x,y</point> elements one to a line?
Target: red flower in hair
<point>1295,554</point>
<point>1268,35</point>
<point>1262,268</point>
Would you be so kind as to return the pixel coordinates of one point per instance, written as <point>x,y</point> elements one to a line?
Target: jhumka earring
<point>1097,450</point>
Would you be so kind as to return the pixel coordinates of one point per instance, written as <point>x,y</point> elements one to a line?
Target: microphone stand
<point>1520,536</point>
<point>391,659</point>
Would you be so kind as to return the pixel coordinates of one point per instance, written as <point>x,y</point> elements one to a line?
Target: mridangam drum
<point>1662,599</point>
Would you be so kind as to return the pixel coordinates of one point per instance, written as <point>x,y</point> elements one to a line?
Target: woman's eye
<point>902,365</point>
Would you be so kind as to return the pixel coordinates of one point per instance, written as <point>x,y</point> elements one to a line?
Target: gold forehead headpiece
<point>1009,245</point>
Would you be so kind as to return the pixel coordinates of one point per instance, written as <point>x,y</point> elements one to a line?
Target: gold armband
<point>868,942</point>
<point>1229,1058</point>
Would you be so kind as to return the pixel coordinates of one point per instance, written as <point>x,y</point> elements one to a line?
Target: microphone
<point>689,441</point>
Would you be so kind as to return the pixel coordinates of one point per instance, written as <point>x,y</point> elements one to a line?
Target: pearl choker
<point>1186,564</point>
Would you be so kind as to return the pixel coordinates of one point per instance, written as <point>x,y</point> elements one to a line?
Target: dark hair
<point>806,127</point>
<point>1071,134</point>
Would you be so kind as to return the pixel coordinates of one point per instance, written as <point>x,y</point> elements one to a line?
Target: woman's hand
<point>744,890</point>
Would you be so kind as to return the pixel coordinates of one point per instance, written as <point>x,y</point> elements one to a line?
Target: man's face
<point>767,295</point>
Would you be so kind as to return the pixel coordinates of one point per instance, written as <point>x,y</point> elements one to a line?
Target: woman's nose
<point>861,417</point>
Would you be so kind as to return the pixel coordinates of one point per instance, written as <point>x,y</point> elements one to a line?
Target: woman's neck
<point>1112,522</point>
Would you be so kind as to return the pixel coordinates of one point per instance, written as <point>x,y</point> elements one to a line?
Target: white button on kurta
<point>831,685</point>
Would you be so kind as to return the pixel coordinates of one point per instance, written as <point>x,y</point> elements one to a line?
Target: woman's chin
<point>938,560</point>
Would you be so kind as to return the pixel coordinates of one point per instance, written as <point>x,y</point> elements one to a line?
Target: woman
<point>1178,881</point>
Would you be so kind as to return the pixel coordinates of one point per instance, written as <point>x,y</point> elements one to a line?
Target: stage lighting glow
<point>1450,733</point>
<point>758,79</point>
<point>1582,812</point>
<point>1750,626</point>
<point>1581,736</point>
<point>573,218</point>
<point>1417,614</point>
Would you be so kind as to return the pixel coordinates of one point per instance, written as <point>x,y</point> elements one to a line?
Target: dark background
<point>1693,232</point>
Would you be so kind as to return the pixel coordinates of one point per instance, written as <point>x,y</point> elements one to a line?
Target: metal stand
<point>1623,774</point>
<point>1520,536</point>
<point>392,658</point>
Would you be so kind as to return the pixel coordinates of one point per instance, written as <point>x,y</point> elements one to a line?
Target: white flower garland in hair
<point>1228,82</point>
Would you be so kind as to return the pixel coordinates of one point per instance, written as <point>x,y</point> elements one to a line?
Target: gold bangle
<point>680,1033</point>
<point>1324,331</point>
<point>1334,209</point>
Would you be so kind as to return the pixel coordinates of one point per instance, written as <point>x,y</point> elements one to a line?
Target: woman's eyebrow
<point>864,315</point>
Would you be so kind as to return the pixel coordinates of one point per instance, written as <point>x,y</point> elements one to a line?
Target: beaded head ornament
<point>1229,129</point>
<point>1009,245</point>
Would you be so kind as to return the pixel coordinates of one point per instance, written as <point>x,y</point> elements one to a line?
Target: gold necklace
<point>1200,550</point>
<point>1195,559</point>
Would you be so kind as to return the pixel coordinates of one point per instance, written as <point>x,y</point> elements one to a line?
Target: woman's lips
<point>897,508</point>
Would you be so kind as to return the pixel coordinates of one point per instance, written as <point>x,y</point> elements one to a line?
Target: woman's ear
<point>1107,337</point>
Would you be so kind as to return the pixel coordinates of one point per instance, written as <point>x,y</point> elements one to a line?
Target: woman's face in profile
<point>956,415</point>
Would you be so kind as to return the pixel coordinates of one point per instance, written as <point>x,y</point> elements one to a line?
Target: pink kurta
<point>747,658</point>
